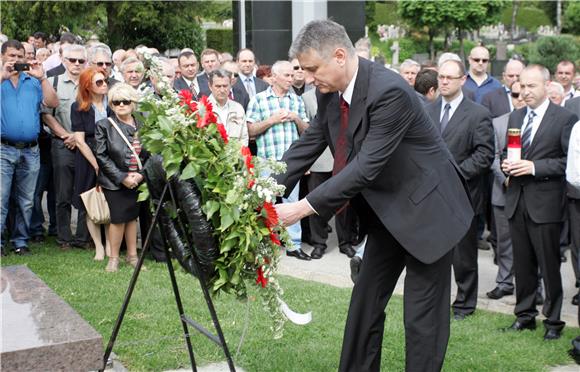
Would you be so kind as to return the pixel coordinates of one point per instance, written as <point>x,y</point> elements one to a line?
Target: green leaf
<point>165,125</point>
<point>188,172</point>
<point>226,218</point>
<point>211,207</point>
<point>231,197</point>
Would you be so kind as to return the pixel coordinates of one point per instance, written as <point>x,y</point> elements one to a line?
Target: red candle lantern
<point>514,146</point>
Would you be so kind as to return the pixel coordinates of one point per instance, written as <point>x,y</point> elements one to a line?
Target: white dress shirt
<point>573,163</point>
<point>453,103</point>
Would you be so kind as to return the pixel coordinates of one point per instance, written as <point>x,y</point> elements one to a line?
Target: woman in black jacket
<point>120,171</point>
<point>89,107</point>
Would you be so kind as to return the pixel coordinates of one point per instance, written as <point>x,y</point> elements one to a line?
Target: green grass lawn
<point>151,336</point>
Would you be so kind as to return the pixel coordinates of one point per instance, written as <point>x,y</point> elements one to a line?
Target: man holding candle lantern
<point>535,200</point>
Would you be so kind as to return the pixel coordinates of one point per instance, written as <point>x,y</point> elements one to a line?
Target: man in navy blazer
<point>536,201</point>
<point>393,167</point>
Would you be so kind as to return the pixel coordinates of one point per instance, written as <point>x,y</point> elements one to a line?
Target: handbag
<point>96,206</point>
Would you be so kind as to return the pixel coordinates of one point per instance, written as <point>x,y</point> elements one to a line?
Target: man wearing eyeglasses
<point>498,101</point>
<point>466,129</point>
<point>63,147</point>
<point>478,81</point>
<point>100,56</point>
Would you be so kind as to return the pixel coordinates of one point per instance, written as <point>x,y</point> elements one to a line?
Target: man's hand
<point>36,70</point>
<point>290,213</point>
<point>518,168</point>
<point>69,141</point>
<point>8,70</point>
<point>279,116</point>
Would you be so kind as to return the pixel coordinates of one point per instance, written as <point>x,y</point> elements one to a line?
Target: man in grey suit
<point>573,105</point>
<point>466,129</point>
<point>536,201</point>
<point>390,164</point>
<point>504,255</point>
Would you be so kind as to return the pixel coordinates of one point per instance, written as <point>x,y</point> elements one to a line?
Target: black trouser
<point>574,213</point>
<point>63,165</point>
<point>465,270</point>
<point>536,245</point>
<point>426,307</point>
<point>318,225</point>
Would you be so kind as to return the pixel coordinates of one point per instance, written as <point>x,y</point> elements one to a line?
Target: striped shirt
<point>278,138</point>
<point>133,165</point>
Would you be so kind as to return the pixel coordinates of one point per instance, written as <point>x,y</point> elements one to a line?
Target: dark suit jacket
<point>469,137</point>
<point>544,193</point>
<point>241,96</point>
<point>203,81</point>
<point>260,84</point>
<point>397,163</point>
<point>573,105</point>
<point>497,102</point>
<point>180,84</point>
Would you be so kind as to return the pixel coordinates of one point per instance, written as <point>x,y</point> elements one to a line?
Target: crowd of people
<point>68,125</point>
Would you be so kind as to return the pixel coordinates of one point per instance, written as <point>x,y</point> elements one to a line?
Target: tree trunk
<point>113,35</point>
<point>515,8</point>
<point>446,41</point>
<point>431,44</point>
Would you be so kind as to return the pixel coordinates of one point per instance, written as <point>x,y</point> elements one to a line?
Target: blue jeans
<point>19,170</point>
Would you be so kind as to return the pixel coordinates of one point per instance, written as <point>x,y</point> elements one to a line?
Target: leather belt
<point>19,145</point>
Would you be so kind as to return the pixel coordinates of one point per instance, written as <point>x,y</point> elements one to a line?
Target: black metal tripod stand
<point>185,320</point>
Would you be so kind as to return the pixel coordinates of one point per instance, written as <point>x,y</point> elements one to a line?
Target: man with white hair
<point>556,93</point>
<point>133,71</point>
<point>409,70</point>
<point>478,81</point>
<point>168,72</point>
<point>276,117</point>
<point>100,56</point>
<point>498,101</point>
<point>63,147</point>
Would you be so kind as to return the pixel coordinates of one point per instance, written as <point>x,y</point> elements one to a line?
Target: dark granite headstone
<point>41,332</point>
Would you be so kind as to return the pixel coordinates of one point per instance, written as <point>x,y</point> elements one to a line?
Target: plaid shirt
<point>278,138</point>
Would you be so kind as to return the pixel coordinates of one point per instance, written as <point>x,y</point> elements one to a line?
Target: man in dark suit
<point>247,80</point>
<point>498,101</point>
<point>188,80</point>
<point>210,61</point>
<point>390,164</point>
<point>238,92</point>
<point>536,201</point>
<point>466,129</point>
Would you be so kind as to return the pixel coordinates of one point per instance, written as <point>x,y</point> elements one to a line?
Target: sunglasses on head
<point>515,94</point>
<point>478,60</point>
<point>75,60</point>
<point>125,102</point>
<point>101,64</point>
<point>100,82</point>
<point>296,68</point>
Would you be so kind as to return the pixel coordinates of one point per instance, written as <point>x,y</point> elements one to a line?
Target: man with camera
<point>24,90</point>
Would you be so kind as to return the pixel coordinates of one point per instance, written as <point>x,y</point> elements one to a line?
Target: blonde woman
<point>120,171</point>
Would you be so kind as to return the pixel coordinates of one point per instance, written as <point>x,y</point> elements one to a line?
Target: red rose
<point>223,132</point>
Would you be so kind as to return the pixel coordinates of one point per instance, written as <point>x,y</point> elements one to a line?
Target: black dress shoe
<point>575,300</point>
<point>348,250</point>
<point>552,334</point>
<point>355,263</point>
<point>317,253</point>
<point>498,293</point>
<point>298,254</point>
<point>520,326</point>
<point>23,251</point>
<point>539,299</point>
<point>38,239</point>
<point>459,316</point>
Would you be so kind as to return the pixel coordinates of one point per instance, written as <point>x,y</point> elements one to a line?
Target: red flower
<point>271,219</point>
<point>186,97</point>
<point>274,238</point>
<point>251,183</point>
<point>205,116</point>
<point>262,280</point>
<point>223,133</point>
<point>248,158</point>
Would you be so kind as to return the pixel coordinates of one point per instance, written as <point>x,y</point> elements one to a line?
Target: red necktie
<point>340,147</point>
<point>231,95</point>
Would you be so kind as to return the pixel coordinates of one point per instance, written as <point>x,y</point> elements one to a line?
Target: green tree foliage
<point>454,15</point>
<point>161,24</point>
<point>550,50</point>
<point>571,22</point>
